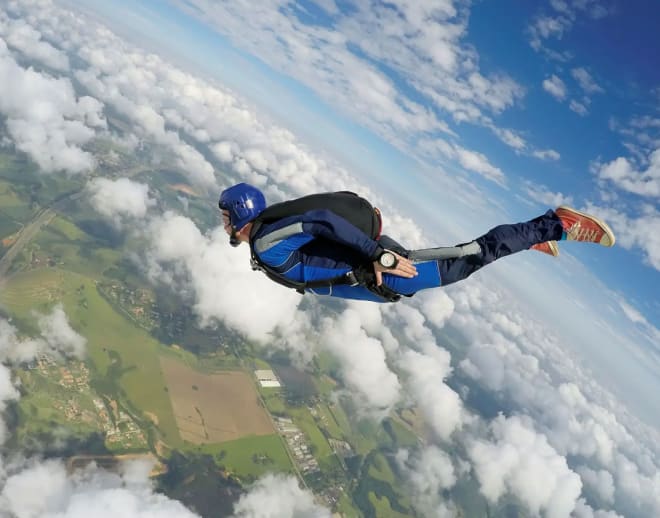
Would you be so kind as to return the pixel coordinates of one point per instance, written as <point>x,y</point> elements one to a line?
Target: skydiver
<point>331,244</point>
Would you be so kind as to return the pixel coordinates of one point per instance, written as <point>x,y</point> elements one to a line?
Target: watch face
<point>387,259</point>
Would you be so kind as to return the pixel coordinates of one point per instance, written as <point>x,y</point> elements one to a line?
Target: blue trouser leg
<point>496,243</point>
<point>499,242</point>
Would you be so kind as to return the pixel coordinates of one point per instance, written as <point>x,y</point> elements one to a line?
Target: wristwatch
<point>388,260</point>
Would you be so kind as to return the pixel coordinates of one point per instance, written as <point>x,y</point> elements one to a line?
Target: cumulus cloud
<point>363,360</point>
<point>120,199</point>
<point>477,162</point>
<point>44,489</point>
<point>548,198</point>
<point>57,337</point>
<point>554,26</point>
<point>578,107</point>
<point>639,230</point>
<point>520,460</point>
<point>520,145</point>
<point>472,161</point>
<point>546,154</point>
<point>219,278</point>
<point>429,471</point>
<point>442,407</point>
<point>28,41</point>
<point>278,496</point>
<point>586,82</point>
<point>45,118</point>
<point>600,481</point>
<point>436,306</point>
<point>625,175</point>
<point>555,87</point>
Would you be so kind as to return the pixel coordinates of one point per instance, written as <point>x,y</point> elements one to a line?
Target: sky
<point>453,116</point>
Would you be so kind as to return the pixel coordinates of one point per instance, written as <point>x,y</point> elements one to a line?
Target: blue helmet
<point>244,203</point>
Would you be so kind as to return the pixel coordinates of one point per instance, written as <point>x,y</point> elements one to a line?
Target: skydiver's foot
<point>547,247</point>
<point>579,226</point>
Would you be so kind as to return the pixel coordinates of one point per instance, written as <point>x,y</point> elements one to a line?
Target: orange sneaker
<point>547,247</point>
<point>583,227</point>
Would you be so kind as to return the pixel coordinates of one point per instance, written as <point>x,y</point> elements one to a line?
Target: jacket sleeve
<point>277,242</point>
<point>326,224</point>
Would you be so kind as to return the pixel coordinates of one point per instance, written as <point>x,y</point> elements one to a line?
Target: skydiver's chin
<point>233,239</point>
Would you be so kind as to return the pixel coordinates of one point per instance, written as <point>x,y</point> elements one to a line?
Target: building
<point>267,378</point>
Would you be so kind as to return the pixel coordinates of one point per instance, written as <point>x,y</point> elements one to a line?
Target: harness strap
<point>361,277</point>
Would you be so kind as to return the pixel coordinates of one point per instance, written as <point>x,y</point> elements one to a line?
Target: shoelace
<point>577,233</point>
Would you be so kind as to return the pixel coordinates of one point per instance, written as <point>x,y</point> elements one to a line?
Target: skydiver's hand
<point>404,268</point>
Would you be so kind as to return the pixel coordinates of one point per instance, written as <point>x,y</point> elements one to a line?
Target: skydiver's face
<point>225,222</point>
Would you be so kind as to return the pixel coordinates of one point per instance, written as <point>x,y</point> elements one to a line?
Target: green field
<point>329,423</point>
<point>73,249</point>
<point>7,227</point>
<point>13,209</point>
<point>320,447</point>
<point>382,507</point>
<point>250,457</point>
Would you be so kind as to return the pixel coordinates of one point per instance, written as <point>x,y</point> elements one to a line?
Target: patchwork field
<point>213,408</point>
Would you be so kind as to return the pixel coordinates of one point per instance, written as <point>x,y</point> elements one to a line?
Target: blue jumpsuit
<point>320,245</point>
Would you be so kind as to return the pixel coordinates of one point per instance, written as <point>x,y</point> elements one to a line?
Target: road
<point>31,229</point>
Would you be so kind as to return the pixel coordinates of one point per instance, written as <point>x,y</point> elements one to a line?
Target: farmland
<point>213,408</point>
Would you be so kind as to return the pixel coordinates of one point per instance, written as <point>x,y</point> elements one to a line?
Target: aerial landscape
<point>147,370</point>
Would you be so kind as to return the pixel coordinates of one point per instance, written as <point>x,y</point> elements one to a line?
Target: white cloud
<point>59,335</point>
<point>472,161</point>
<point>601,481</point>
<point>278,496</point>
<point>479,163</point>
<point>516,141</point>
<point>120,199</point>
<point>551,199</point>
<point>442,407</point>
<point>624,175</point>
<point>21,36</point>
<point>640,231</point>
<point>218,278</point>
<point>429,471</point>
<point>555,26</point>
<point>436,306</point>
<point>547,154</point>
<point>45,119</point>
<point>520,460</point>
<point>363,360</point>
<point>555,87</point>
<point>578,107</point>
<point>585,81</point>
<point>44,489</point>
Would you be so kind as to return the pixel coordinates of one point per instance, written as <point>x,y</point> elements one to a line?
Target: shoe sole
<point>608,239</point>
<point>552,245</point>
